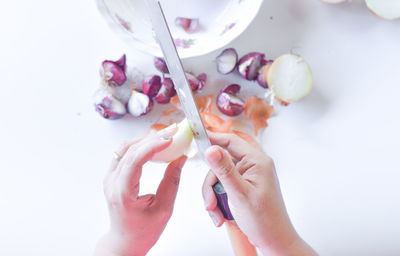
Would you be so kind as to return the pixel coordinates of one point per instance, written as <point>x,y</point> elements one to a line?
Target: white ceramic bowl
<point>220,21</point>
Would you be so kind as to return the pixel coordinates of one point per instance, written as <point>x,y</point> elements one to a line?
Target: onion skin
<point>228,102</point>
<point>180,144</point>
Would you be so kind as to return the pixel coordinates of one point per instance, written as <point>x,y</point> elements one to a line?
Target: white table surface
<point>336,152</point>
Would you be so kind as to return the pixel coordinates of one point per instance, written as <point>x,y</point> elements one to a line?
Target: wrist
<point>300,248</point>
<point>117,245</point>
<point>297,247</point>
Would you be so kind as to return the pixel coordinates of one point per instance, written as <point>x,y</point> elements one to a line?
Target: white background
<point>336,152</point>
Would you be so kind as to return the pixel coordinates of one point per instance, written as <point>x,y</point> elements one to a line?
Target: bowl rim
<point>134,42</point>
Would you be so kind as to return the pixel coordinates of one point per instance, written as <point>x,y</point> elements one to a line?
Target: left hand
<point>138,221</point>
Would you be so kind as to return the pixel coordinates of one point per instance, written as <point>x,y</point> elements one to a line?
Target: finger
<point>121,151</point>
<point>132,162</point>
<point>235,145</point>
<point>217,217</point>
<point>223,167</point>
<point>168,188</point>
<point>210,200</point>
<point>127,144</point>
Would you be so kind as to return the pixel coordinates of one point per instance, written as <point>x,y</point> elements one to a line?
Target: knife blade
<point>240,242</point>
<point>184,91</point>
<point>174,64</point>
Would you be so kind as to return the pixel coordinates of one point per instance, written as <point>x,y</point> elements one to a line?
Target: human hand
<point>136,222</point>
<point>255,200</point>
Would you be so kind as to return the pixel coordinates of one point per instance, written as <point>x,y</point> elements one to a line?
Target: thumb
<point>223,167</point>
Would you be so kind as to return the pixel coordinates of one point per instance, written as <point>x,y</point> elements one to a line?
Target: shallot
<point>249,65</point>
<point>139,104</point>
<point>228,101</point>
<point>113,72</point>
<point>108,106</point>
<point>160,65</point>
<point>226,61</point>
<point>202,81</point>
<point>151,85</point>
<point>193,81</point>
<point>166,92</point>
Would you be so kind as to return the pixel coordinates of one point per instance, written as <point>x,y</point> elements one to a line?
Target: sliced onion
<point>249,65</point>
<point>290,78</point>
<point>226,61</point>
<point>180,144</point>
<point>385,9</point>
<point>264,69</point>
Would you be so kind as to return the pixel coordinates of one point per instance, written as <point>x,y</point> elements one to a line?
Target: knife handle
<point>240,243</point>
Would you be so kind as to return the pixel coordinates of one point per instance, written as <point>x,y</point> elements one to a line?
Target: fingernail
<point>170,130</point>
<point>166,137</point>
<point>214,218</point>
<point>214,156</point>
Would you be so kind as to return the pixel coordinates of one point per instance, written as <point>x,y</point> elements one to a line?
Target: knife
<point>240,243</point>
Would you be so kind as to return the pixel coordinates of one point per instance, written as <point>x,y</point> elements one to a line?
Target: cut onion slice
<point>385,9</point>
<point>180,144</point>
<point>226,61</point>
<point>289,78</point>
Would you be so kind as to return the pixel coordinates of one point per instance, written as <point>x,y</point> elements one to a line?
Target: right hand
<point>249,178</point>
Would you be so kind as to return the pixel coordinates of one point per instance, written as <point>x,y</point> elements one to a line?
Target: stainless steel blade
<point>177,73</point>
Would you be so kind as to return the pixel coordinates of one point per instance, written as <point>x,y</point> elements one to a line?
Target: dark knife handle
<point>222,199</point>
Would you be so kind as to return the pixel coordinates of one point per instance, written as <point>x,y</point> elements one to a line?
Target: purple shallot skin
<point>151,85</point>
<point>166,92</point>
<point>114,72</point>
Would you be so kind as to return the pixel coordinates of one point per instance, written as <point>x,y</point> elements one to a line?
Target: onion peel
<point>214,123</point>
<point>258,112</point>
